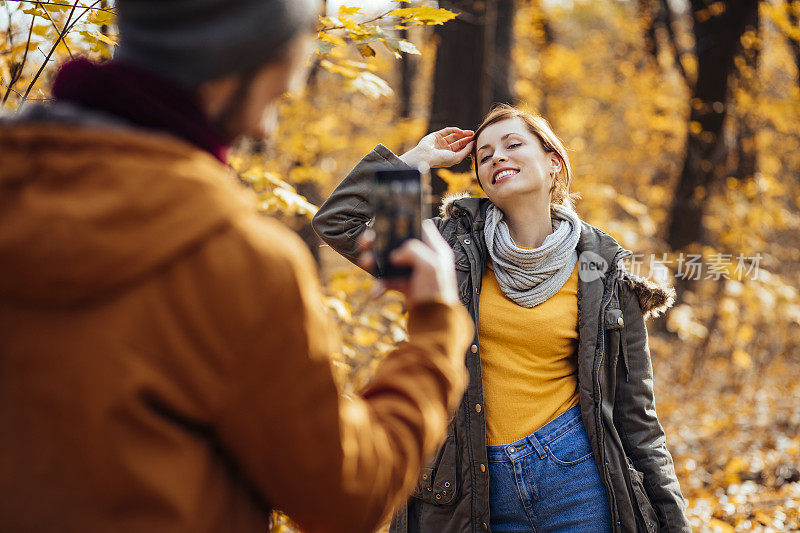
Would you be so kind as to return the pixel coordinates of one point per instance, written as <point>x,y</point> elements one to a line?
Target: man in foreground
<point>163,348</point>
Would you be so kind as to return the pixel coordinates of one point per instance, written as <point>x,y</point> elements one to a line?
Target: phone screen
<point>399,197</point>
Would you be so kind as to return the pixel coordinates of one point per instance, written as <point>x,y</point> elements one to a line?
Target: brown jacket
<point>164,353</point>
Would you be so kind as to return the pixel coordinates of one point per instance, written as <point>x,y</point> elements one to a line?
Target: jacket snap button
<point>446,483</point>
<point>620,321</point>
<point>483,467</point>
<point>424,476</point>
<point>467,241</point>
<point>474,348</point>
<point>477,408</point>
<point>438,496</point>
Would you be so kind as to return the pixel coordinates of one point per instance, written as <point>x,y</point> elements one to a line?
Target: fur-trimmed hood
<point>654,297</point>
<point>448,208</point>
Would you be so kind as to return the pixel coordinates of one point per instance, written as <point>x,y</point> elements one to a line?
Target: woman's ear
<point>555,164</point>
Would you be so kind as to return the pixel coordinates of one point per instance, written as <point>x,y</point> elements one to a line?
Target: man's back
<point>162,351</point>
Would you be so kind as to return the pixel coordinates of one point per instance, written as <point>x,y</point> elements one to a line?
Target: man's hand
<point>433,276</point>
<point>443,148</point>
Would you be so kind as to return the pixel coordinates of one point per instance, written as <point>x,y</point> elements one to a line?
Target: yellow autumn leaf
<point>41,30</point>
<point>348,11</point>
<point>102,18</point>
<point>365,337</point>
<point>742,359</point>
<point>339,69</point>
<point>633,207</point>
<point>366,50</point>
<point>456,181</point>
<point>745,333</point>
<point>331,38</point>
<point>425,15</point>
<point>718,526</point>
<point>105,39</point>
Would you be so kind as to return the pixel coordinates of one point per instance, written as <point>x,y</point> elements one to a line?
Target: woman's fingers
<point>464,151</point>
<point>449,130</point>
<point>366,259</point>
<point>458,136</point>
<point>461,143</point>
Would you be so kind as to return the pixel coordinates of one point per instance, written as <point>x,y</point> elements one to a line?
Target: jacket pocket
<point>438,481</point>
<point>641,501</point>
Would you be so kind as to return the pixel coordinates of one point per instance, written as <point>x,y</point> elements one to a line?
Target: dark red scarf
<point>140,97</point>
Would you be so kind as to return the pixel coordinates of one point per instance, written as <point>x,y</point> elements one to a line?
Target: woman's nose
<point>498,157</point>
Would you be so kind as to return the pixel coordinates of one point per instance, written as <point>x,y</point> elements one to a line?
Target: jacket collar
<point>654,298</point>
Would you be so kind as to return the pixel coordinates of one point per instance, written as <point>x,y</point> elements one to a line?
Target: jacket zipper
<point>609,291</point>
<point>477,278</point>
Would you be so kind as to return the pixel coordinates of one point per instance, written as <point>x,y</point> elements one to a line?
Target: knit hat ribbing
<point>193,41</point>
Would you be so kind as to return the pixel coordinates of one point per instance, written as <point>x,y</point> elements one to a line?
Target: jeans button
<point>511,449</point>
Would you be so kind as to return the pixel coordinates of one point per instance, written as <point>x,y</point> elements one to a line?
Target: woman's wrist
<point>414,158</point>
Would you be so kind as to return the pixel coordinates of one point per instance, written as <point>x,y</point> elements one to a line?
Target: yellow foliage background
<point>725,357</point>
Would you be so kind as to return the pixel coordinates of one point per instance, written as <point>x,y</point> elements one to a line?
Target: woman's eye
<point>514,145</point>
<point>485,158</point>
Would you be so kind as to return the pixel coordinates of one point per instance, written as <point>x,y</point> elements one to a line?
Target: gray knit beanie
<point>193,41</point>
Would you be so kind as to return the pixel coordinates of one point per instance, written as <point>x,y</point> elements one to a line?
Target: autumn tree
<point>658,15</point>
<point>794,39</point>
<point>718,28</point>
<point>473,64</point>
<point>747,87</point>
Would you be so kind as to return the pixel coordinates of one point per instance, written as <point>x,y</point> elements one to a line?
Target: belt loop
<point>537,446</point>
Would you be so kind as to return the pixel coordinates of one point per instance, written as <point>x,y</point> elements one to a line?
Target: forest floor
<point>735,439</point>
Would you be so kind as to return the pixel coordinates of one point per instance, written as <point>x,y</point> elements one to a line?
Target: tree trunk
<point>651,13</point>
<point>794,44</point>
<point>501,65</point>
<point>717,37</point>
<point>473,67</point>
<point>408,71</point>
<point>461,89</point>
<point>748,80</point>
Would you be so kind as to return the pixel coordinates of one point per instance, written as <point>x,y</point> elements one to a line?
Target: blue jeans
<point>548,481</point>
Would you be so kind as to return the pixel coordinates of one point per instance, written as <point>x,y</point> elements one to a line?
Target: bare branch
<point>107,10</point>
<point>329,28</point>
<point>67,27</point>
<point>18,71</point>
<point>53,22</point>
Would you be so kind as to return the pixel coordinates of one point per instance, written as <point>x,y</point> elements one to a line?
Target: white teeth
<point>505,173</point>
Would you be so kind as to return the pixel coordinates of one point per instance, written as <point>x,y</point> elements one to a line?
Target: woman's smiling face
<point>511,162</point>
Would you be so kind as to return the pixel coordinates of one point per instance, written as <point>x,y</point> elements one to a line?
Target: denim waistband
<point>538,440</point>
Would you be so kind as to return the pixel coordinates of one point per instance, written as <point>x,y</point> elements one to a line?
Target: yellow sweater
<point>528,359</point>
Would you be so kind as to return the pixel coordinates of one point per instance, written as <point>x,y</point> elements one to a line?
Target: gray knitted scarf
<point>530,277</point>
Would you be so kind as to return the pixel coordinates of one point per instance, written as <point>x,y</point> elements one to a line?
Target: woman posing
<point>557,430</point>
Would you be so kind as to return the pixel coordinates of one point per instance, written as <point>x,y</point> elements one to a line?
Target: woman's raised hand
<point>443,148</point>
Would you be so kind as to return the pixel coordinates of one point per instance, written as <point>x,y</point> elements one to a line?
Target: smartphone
<point>400,195</point>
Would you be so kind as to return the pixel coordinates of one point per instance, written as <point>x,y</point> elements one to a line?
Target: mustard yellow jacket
<point>164,353</point>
